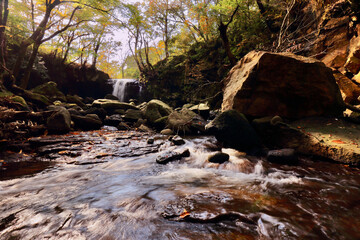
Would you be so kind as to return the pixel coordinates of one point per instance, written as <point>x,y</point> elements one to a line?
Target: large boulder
<point>156,109</point>
<point>59,121</point>
<point>284,84</point>
<point>50,90</point>
<point>234,131</point>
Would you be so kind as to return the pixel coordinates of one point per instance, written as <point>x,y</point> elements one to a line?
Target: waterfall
<point>124,89</point>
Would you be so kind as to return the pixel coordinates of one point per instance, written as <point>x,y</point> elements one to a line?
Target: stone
<point>123,126</point>
<point>38,99</point>
<point>77,100</point>
<point>186,121</point>
<point>177,140</point>
<point>170,156</point>
<point>98,111</point>
<point>140,122</point>
<point>21,101</point>
<point>150,141</point>
<point>156,109</point>
<point>50,90</point>
<point>234,131</point>
<point>161,123</point>
<point>111,105</point>
<point>113,120</point>
<point>284,84</point>
<point>167,132</point>
<point>59,121</point>
<point>87,122</point>
<point>283,156</point>
<point>144,128</point>
<point>275,120</point>
<point>219,157</point>
<point>111,97</point>
<point>350,90</point>
<point>202,109</point>
<point>132,115</point>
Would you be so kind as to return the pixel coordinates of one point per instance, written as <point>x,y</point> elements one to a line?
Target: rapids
<point>107,185</point>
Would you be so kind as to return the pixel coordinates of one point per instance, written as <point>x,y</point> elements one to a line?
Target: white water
<point>120,87</point>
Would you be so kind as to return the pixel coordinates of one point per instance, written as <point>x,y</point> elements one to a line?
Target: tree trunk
<point>25,80</point>
<point>269,23</point>
<point>4,13</point>
<point>226,42</point>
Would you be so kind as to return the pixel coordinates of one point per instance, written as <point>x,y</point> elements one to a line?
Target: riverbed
<point>107,185</point>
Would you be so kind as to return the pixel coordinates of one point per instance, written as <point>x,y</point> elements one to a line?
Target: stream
<point>107,185</point>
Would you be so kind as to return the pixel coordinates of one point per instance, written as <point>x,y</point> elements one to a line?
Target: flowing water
<point>120,87</point>
<point>107,185</point>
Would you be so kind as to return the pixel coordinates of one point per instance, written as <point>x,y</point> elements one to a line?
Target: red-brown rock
<point>284,84</point>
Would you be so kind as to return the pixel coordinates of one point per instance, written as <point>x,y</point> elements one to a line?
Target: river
<point>107,185</point>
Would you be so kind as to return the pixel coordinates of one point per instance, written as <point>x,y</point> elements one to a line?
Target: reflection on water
<point>127,195</point>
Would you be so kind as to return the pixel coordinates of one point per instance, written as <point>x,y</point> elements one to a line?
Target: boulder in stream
<point>59,121</point>
<point>234,131</point>
<point>170,156</point>
<point>268,84</point>
<point>156,109</point>
<point>219,157</point>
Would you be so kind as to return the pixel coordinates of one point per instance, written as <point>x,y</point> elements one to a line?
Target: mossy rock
<point>50,90</point>
<point>20,100</point>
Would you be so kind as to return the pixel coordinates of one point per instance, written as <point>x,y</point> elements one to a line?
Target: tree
<point>4,13</point>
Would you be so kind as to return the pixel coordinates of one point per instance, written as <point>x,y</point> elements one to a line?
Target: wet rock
<point>284,156</point>
<point>98,111</point>
<point>186,121</point>
<point>123,126</point>
<point>21,101</point>
<point>140,122</point>
<point>111,97</point>
<point>87,122</point>
<point>112,105</point>
<point>283,84</point>
<point>88,100</point>
<point>50,90</point>
<point>132,115</point>
<point>349,89</point>
<point>275,120</point>
<point>161,123</point>
<point>177,140</point>
<point>170,156</point>
<point>59,121</point>
<point>74,111</point>
<point>219,158</point>
<point>144,128</point>
<point>77,100</point>
<point>150,141</point>
<point>202,109</point>
<point>167,132</point>
<point>40,100</point>
<point>156,109</point>
<point>113,120</point>
<point>234,131</point>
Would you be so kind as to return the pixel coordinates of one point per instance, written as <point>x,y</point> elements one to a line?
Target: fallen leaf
<point>338,141</point>
<point>64,152</point>
<point>184,214</point>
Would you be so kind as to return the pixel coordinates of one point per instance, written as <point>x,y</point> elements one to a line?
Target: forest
<point>179,119</point>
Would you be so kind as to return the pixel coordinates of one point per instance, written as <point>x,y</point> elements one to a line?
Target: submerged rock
<point>177,140</point>
<point>268,84</point>
<point>167,132</point>
<point>170,156</point>
<point>284,156</point>
<point>219,158</point>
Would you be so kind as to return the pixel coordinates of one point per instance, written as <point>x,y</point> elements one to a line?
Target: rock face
<point>284,84</point>
<point>234,131</point>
